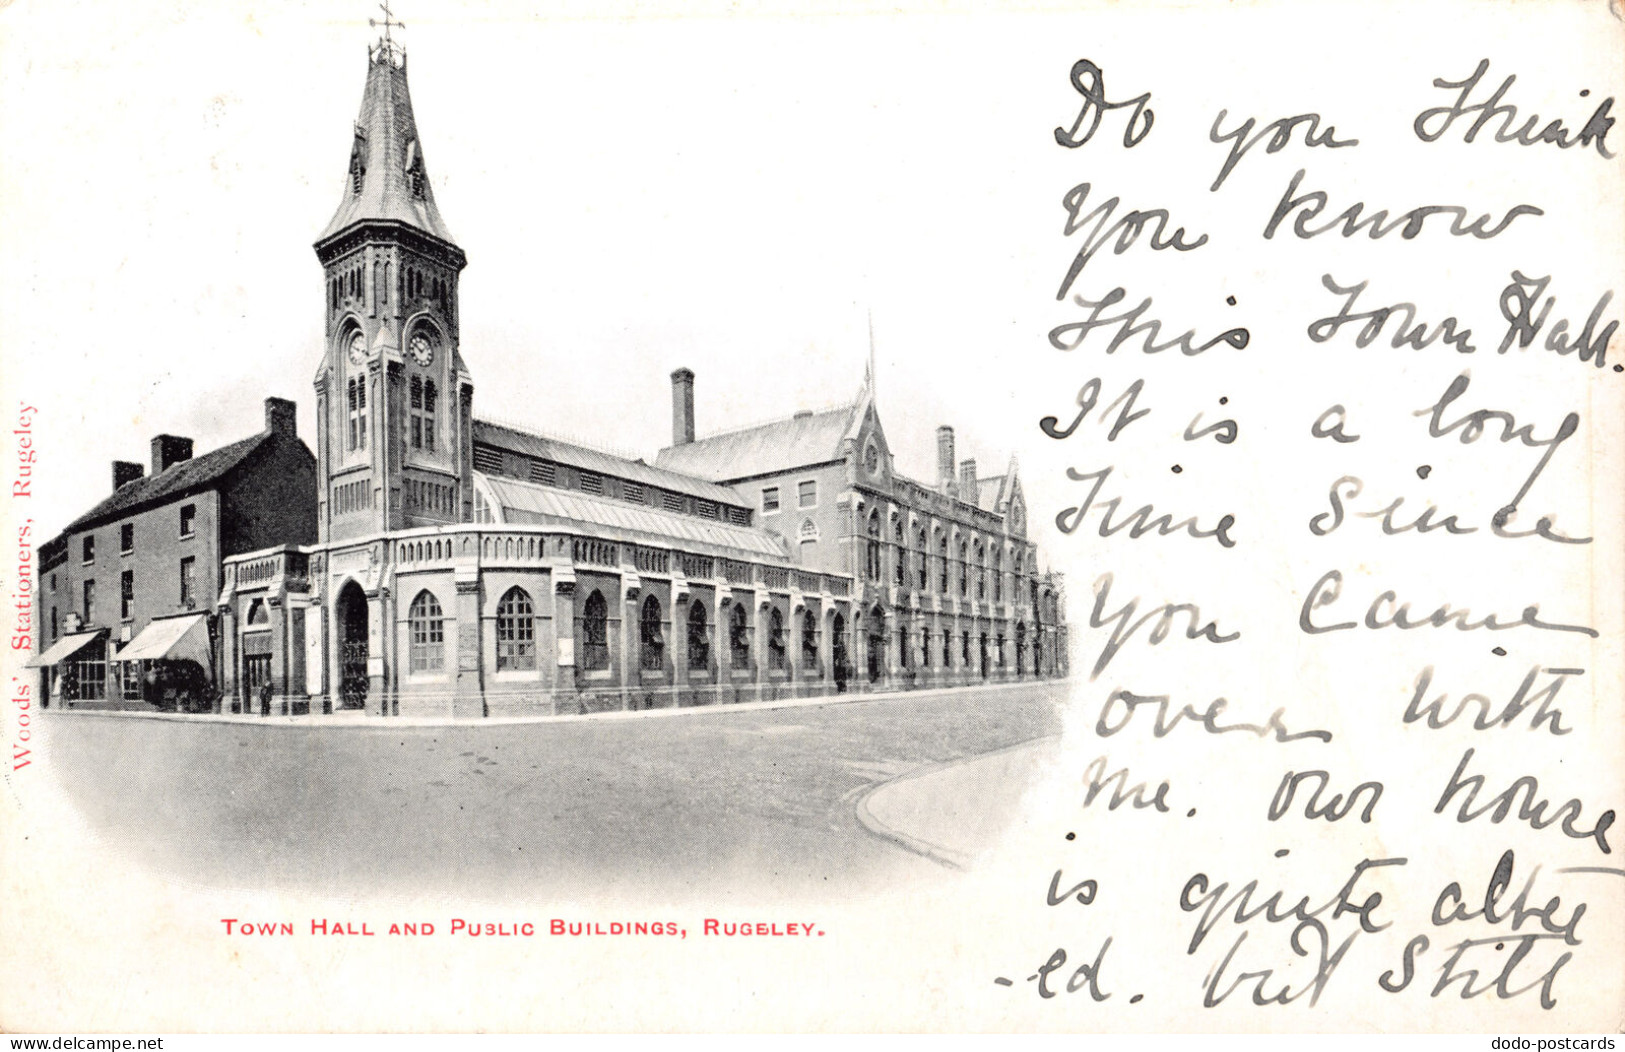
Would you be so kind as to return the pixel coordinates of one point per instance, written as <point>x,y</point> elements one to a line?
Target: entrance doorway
<point>351,615</point>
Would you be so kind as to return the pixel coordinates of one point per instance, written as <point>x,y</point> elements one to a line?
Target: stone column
<point>228,658</point>
<point>380,627</point>
<point>761,605</point>
<point>722,653</point>
<point>631,657</point>
<point>826,644</point>
<point>893,659</point>
<point>315,651</point>
<point>564,630</point>
<point>677,638</point>
<point>468,698</point>
<point>793,646</point>
<point>277,608</point>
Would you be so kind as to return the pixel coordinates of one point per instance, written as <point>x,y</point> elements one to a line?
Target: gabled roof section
<point>988,492</point>
<point>783,445</point>
<point>997,489</point>
<point>386,158</point>
<point>527,502</point>
<point>585,459</point>
<point>189,476</point>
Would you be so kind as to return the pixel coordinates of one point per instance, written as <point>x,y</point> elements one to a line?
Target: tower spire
<point>869,373</point>
<point>387,46</point>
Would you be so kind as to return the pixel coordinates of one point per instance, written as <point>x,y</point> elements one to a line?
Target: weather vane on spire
<point>387,46</point>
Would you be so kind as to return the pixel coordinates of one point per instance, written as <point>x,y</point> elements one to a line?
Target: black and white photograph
<point>792,518</point>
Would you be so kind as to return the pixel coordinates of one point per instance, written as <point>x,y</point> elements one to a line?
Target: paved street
<point>648,810</point>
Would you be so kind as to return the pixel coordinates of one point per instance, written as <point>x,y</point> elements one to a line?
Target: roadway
<point>661,808</point>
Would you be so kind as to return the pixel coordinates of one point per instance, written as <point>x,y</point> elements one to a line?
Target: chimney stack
<point>126,471</point>
<point>967,482</point>
<point>281,417</point>
<point>169,449</point>
<point>682,407</point>
<point>945,459</point>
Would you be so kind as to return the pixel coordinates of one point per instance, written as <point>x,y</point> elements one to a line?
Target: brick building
<point>128,588</point>
<point>466,567</point>
<point>948,587</point>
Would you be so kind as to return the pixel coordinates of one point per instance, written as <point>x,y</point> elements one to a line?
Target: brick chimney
<point>967,482</point>
<point>945,459</point>
<point>682,407</point>
<point>281,417</point>
<point>169,449</point>
<point>126,471</point>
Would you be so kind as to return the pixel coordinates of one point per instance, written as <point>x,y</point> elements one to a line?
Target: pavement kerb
<point>363,722</point>
<point>938,853</point>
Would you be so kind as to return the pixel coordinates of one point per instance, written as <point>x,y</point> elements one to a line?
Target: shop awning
<point>62,649</point>
<point>170,638</point>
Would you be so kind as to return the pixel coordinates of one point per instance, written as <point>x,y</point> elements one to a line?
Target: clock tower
<point>393,397</point>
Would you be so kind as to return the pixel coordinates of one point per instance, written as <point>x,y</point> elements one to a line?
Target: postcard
<point>630,517</point>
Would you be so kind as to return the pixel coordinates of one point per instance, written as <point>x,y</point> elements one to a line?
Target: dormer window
<point>358,162</point>
<point>417,180</point>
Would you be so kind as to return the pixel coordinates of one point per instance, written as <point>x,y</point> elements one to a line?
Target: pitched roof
<point>988,492</point>
<point>186,477</point>
<point>387,148</point>
<point>617,520</point>
<point>586,459</point>
<point>783,445</point>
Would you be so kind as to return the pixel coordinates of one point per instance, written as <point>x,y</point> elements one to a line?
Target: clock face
<point>871,458</point>
<point>358,349</point>
<point>422,350</point>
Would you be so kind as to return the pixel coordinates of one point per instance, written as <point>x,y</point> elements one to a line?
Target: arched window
<point>809,639</point>
<point>653,641</point>
<point>872,561</point>
<point>257,614</point>
<point>428,632</point>
<point>899,556</point>
<point>922,572</point>
<point>699,647</point>
<point>516,632</point>
<point>416,388</point>
<point>776,649</point>
<point>349,391</point>
<point>739,636</point>
<point>964,574</point>
<point>998,575</point>
<point>981,572</point>
<point>595,634</point>
<point>356,391</point>
<point>942,553</point>
<point>430,396</point>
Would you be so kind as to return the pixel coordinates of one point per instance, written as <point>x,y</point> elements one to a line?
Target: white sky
<point>730,195</point>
